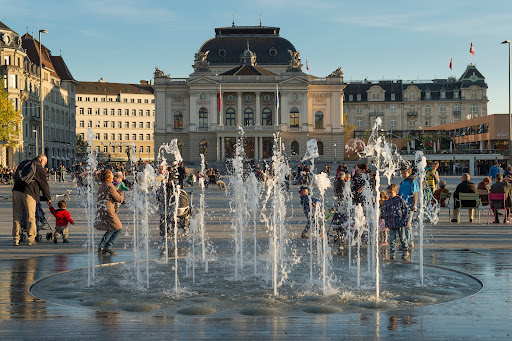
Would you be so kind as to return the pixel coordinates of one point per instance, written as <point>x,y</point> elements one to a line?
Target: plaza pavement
<point>481,250</point>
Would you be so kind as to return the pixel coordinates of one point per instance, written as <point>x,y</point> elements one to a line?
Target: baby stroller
<point>184,213</point>
<point>337,232</point>
<point>41,223</point>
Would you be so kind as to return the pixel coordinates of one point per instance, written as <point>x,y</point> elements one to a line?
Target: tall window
<point>320,148</point>
<point>266,117</point>
<point>319,120</point>
<point>203,118</point>
<point>230,117</point>
<point>359,122</point>
<point>203,147</point>
<point>248,117</point>
<point>393,108</point>
<point>474,109</point>
<point>295,148</point>
<point>294,118</point>
<point>178,120</point>
<point>393,121</point>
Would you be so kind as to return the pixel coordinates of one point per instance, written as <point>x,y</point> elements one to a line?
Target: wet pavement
<point>481,250</point>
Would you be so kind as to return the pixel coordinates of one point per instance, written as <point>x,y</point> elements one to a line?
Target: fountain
<point>90,209</point>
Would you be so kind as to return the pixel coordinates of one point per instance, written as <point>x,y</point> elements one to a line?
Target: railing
<point>456,112</point>
<point>412,113</point>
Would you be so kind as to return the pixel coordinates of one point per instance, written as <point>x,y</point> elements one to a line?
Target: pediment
<point>294,80</point>
<point>202,81</point>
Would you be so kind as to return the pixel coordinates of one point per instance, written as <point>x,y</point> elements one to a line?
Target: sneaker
<point>495,222</point>
<point>471,220</point>
<point>16,243</point>
<point>405,255</point>
<point>112,252</point>
<point>304,235</point>
<point>65,241</point>
<point>31,243</point>
<point>383,243</point>
<point>55,239</point>
<point>454,220</point>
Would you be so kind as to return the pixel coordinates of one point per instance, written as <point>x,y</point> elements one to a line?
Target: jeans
<point>109,239</point>
<point>393,233</point>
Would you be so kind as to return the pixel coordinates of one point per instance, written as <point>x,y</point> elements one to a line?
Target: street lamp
<point>41,90</point>
<point>335,152</point>
<point>509,114</point>
<point>37,144</point>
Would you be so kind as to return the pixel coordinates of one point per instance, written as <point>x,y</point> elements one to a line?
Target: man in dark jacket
<point>465,186</point>
<point>500,186</point>
<point>24,196</point>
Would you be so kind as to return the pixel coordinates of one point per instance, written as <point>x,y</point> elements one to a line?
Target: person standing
<point>30,180</point>
<point>409,191</point>
<point>106,217</point>
<point>396,219</point>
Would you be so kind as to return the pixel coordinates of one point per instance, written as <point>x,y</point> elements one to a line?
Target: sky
<point>124,40</point>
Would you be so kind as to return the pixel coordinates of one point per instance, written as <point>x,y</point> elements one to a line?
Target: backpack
<point>25,172</point>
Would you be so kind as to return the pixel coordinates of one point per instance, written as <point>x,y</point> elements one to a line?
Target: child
<point>62,218</point>
<point>304,201</point>
<point>396,218</point>
<point>119,185</point>
<point>383,230</point>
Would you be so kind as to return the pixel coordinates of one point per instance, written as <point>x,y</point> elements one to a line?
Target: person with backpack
<point>29,181</point>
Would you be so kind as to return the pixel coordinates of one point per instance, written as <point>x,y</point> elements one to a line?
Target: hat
<point>303,187</point>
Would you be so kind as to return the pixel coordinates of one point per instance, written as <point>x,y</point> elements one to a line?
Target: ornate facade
<point>237,76</point>
<point>19,68</point>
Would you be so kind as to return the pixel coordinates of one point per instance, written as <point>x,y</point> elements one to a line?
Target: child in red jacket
<point>62,218</point>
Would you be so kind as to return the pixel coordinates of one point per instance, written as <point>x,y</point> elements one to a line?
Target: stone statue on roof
<point>295,64</point>
<point>200,62</point>
<point>336,73</point>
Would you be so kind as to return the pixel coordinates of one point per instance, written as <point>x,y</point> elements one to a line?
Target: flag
<point>451,63</point>
<point>307,65</point>
<point>220,98</point>
<point>472,50</point>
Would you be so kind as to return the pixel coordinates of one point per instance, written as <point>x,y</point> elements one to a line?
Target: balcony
<point>412,113</point>
<point>456,113</point>
<point>376,113</point>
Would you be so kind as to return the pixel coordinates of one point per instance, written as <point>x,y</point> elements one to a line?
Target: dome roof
<point>230,44</point>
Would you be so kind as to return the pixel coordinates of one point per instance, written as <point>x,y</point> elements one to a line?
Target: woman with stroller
<point>106,217</point>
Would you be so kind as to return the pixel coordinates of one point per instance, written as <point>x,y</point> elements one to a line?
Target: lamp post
<point>41,90</point>
<point>37,143</point>
<point>335,152</point>
<point>509,114</point>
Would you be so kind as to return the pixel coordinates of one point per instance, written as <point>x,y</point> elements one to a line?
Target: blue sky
<point>123,40</point>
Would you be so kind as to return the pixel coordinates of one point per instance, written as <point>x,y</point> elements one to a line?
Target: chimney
<point>143,82</point>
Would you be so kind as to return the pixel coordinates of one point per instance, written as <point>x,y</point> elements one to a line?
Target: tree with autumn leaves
<point>10,120</point>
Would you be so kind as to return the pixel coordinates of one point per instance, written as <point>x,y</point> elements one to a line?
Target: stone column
<point>261,148</point>
<point>256,148</point>
<point>222,149</point>
<point>257,117</point>
<point>193,113</point>
<point>239,116</point>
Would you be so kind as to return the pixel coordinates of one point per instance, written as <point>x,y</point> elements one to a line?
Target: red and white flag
<point>307,65</point>
<point>451,63</point>
<point>472,50</point>
<point>220,98</point>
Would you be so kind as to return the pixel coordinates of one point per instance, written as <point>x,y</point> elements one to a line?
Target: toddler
<point>62,218</point>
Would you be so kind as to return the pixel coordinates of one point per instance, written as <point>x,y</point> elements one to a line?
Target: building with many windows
<point>19,68</point>
<point>120,115</point>
<point>237,76</point>
<point>413,105</point>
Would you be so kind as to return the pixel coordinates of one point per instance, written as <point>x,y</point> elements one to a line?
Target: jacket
<point>395,213</point>
<point>62,217</point>
<point>39,184</point>
<point>464,187</point>
<point>501,187</point>
<point>304,201</point>
<point>106,217</point>
<point>408,190</point>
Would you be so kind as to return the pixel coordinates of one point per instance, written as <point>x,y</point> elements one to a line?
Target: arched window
<point>248,117</point>
<point>203,147</point>
<point>230,117</point>
<point>180,147</point>
<point>266,117</point>
<point>295,148</point>
<point>203,118</point>
<point>178,120</point>
<point>320,148</point>
<point>319,120</point>
<point>294,118</point>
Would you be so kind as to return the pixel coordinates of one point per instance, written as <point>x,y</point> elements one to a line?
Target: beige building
<point>416,105</point>
<point>120,115</point>
<point>19,67</point>
<point>249,66</point>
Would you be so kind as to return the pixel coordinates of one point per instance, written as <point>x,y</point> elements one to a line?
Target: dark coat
<point>106,217</point>
<point>464,187</point>
<point>395,213</point>
<point>501,187</point>
<point>39,183</point>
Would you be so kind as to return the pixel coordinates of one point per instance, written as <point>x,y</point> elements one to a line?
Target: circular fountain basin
<point>218,293</point>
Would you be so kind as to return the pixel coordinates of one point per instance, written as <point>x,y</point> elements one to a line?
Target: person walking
<point>106,217</point>
<point>30,180</point>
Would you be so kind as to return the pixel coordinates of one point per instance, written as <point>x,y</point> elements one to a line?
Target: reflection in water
<point>396,321</point>
<point>22,304</point>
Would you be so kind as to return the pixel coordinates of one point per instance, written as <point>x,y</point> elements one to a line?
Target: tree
<point>10,120</point>
<point>348,128</point>
<point>81,147</point>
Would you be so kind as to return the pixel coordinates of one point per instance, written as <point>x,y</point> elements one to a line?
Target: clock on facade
<point>473,78</point>
<point>202,97</point>
<point>295,97</point>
